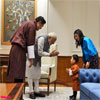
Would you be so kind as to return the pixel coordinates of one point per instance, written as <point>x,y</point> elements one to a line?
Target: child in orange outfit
<point>73,72</point>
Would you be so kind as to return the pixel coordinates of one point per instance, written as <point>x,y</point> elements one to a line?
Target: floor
<point>62,93</point>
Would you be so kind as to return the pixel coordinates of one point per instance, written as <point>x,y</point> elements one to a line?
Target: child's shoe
<point>70,97</point>
<point>73,98</point>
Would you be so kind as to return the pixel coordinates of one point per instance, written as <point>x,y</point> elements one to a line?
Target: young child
<point>73,72</point>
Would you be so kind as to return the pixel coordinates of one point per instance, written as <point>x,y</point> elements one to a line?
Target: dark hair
<point>75,57</point>
<point>81,36</point>
<point>40,18</point>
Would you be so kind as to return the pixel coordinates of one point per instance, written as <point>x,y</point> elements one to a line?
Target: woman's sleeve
<point>89,46</point>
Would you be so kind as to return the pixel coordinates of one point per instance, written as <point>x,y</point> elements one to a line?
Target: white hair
<point>52,34</point>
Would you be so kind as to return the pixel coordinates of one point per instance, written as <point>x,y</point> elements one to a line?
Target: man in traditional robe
<point>41,48</point>
<point>23,41</point>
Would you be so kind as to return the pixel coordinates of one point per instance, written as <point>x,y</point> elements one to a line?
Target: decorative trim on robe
<point>70,72</point>
<point>31,51</point>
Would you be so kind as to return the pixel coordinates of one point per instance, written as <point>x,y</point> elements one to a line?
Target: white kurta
<point>35,71</point>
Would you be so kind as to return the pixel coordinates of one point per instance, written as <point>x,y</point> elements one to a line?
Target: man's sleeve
<point>31,42</point>
<point>41,52</point>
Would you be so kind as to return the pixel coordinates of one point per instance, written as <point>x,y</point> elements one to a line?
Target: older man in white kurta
<point>41,49</point>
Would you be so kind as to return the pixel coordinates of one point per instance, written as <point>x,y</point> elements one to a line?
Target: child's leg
<point>75,93</point>
<point>71,95</point>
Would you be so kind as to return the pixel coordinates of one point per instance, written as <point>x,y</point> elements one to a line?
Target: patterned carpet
<point>62,93</point>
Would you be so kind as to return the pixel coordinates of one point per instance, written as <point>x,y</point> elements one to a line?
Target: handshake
<point>54,53</point>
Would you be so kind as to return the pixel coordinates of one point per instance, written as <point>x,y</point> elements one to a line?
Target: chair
<point>49,69</point>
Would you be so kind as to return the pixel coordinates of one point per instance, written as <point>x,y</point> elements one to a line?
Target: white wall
<point>68,15</point>
<point>59,21</point>
<point>42,10</point>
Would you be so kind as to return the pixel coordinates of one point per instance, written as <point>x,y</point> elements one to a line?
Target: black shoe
<point>32,96</point>
<point>39,94</point>
<point>71,96</point>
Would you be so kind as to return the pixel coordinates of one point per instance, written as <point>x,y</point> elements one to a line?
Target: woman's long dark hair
<point>81,36</point>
